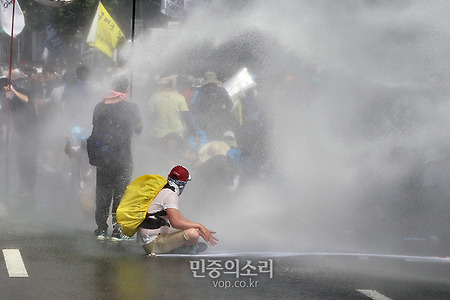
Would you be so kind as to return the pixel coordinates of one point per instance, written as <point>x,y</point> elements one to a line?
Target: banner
<point>239,82</point>
<point>53,42</point>
<point>6,17</point>
<point>104,33</point>
<point>173,8</point>
<point>178,8</point>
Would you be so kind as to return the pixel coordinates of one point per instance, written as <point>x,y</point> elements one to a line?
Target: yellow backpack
<point>135,202</point>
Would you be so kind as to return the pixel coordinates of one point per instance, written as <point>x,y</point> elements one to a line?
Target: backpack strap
<point>158,213</point>
<point>168,186</point>
<point>154,220</point>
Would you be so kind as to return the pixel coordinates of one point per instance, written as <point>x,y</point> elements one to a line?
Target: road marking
<point>372,294</point>
<point>14,263</point>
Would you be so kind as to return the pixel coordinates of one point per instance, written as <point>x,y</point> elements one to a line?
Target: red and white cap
<point>181,173</point>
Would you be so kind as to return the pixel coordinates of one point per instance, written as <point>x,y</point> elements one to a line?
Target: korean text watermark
<point>244,273</point>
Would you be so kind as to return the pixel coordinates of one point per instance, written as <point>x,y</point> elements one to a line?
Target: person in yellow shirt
<point>167,108</point>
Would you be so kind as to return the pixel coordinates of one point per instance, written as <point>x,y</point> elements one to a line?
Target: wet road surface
<point>65,263</point>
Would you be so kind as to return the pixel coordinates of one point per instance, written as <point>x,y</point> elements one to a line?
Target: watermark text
<point>247,271</point>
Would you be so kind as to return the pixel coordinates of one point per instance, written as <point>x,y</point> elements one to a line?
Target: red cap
<point>181,173</point>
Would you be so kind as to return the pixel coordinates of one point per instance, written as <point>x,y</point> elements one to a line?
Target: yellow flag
<point>104,33</point>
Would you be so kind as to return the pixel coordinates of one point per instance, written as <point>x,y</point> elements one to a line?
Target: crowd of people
<point>48,115</point>
<point>39,109</point>
<point>199,125</point>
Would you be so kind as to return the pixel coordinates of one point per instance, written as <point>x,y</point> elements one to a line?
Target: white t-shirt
<point>165,199</point>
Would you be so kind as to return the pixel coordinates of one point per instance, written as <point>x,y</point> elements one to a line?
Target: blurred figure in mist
<point>82,181</point>
<point>54,128</point>
<point>252,132</point>
<point>25,128</point>
<point>212,108</point>
<point>51,80</point>
<point>116,120</point>
<point>243,169</point>
<point>169,112</point>
<point>50,119</point>
<point>77,100</point>
<point>188,86</point>
<point>34,86</point>
<point>215,171</point>
<point>196,84</point>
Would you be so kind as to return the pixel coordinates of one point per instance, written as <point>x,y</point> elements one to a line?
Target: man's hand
<point>178,221</point>
<point>208,235</point>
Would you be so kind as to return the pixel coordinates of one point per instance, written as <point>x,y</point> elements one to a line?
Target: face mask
<point>180,184</point>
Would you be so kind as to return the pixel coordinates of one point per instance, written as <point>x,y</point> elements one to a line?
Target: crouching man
<point>163,212</point>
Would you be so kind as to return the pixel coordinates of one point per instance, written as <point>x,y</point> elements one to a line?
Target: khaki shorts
<point>167,242</point>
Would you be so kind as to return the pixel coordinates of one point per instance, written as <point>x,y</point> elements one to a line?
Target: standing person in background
<point>77,99</point>
<point>51,81</point>
<point>50,120</point>
<point>212,108</point>
<point>26,129</point>
<point>115,120</point>
<point>252,135</point>
<point>34,86</point>
<point>167,107</point>
<point>169,110</point>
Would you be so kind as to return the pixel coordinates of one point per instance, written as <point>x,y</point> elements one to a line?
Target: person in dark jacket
<point>117,120</point>
<point>25,130</point>
<point>212,108</point>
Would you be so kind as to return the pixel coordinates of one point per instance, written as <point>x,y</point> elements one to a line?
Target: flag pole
<point>133,24</point>
<point>12,38</point>
<point>8,118</point>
